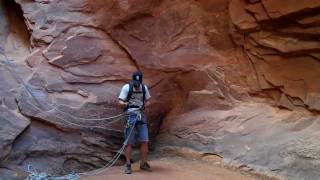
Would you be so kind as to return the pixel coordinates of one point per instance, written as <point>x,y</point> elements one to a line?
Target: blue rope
<point>45,176</point>
<point>34,175</point>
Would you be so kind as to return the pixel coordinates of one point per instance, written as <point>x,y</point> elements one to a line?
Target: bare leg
<point>128,153</point>
<point>144,152</point>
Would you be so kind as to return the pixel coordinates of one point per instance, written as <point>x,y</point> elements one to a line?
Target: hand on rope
<point>33,175</point>
<point>117,156</point>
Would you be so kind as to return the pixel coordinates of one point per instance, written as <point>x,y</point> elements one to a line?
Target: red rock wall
<point>196,56</point>
<point>281,39</point>
<point>280,67</point>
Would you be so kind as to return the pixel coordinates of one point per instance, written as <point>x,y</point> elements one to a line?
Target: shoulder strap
<point>130,91</point>
<point>144,92</point>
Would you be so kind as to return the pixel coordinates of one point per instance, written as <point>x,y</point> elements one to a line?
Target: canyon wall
<point>234,78</point>
<point>275,129</point>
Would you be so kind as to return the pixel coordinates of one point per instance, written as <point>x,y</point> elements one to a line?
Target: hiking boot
<point>128,169</point>
<point>146,167</point>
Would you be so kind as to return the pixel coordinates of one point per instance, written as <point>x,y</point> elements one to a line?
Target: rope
<point>116,157</point>
<point>18,79</point>
<point>45,176</point>
<point>79,125</point>
<point>33,174</point>
<point>27,85</point>
<point>93,119</point>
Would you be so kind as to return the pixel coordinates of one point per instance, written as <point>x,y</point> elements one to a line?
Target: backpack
<point>131,91</point>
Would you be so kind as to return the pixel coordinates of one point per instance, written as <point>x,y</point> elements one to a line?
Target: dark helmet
<point>137,78</point>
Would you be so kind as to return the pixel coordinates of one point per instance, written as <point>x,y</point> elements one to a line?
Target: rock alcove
<point>235,78</point>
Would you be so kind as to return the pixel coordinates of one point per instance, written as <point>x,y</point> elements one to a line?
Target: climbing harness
<point>34,174</point>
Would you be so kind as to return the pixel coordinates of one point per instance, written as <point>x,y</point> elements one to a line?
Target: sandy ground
<point>175,168</point>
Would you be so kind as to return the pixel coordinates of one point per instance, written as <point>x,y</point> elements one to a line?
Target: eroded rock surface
<point>256,136</point>
<point>282,50</point>
<point>12,127</point>
<point>218,71</point>
<point>281,41</point>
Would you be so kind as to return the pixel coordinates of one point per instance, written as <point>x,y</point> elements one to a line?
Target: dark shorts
<point>139,131</point>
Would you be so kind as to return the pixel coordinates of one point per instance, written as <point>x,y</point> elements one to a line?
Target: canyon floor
<point>179,168</point>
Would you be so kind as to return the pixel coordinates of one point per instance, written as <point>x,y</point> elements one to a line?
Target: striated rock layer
<point>274,131</point>
<point>235,78</point>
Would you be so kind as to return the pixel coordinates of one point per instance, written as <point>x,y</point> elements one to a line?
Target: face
<point>136,84</point>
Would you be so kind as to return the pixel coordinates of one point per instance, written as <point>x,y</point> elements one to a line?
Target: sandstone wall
<point>273,131</point>
<point>281,39</point>
<point>217,70</point>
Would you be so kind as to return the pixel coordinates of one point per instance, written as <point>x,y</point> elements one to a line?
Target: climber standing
<point>133,97</point>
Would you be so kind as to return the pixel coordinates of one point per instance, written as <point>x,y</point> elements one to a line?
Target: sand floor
<point>176,168</point>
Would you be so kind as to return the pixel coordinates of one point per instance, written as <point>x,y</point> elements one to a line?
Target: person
<point>132,98</point>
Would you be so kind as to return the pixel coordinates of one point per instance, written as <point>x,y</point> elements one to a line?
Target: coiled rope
<point>116,117</point>
<point>35,175</point>
<point>28,87</point>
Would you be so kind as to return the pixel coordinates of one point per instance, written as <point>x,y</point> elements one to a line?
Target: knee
<point>144,146</point>
<point>129,147</point>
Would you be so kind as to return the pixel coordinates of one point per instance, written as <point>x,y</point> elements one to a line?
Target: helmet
<point>137,78</point>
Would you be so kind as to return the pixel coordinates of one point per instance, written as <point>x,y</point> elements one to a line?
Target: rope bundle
<point>35,175</point>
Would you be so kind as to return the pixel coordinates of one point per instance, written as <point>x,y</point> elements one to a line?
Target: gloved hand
<point>132,105</point>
